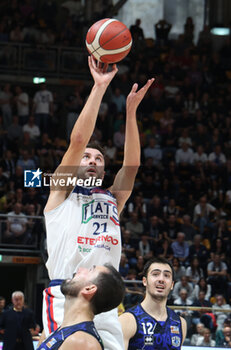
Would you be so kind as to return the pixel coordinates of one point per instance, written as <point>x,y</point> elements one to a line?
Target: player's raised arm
<point>84,126</point>
<point>125,178</point>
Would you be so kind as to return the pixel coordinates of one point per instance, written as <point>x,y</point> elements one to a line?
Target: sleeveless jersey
<point>55,340</point>
<point>83,231</point>
<point>154,335</point>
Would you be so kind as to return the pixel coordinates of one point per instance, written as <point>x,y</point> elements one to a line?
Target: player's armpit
<point>184,328</point>
<point>80,341</point>
<point>129,327</point>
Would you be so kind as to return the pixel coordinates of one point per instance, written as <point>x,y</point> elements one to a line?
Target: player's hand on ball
<point>100,72</point>
<point>135,97</point>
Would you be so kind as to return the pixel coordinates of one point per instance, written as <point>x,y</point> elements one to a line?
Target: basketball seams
<point>100,31</point>
<point>114,51</point>
<point>112,38</point>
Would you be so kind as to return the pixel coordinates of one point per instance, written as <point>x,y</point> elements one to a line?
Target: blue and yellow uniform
<point>155,335</point>
<point>55,340</point>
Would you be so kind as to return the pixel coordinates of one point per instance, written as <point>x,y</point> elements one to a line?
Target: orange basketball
<point>108,40</point>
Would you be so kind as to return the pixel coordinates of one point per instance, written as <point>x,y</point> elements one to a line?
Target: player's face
<point>159,281</point>
<point>91,165</point>
<point>81,279</point>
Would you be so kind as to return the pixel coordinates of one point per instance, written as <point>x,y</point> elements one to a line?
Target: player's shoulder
<point>128,324</point>
<point>128,318</point>
<point>81,340</point>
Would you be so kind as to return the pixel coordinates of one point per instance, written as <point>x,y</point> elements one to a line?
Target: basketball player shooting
<point>83,224</point>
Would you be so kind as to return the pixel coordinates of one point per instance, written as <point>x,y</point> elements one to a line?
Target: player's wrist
<point>100,87</point>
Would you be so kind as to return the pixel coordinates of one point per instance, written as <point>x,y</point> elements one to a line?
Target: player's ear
<point>144,280</point>
<point>89,291</point>
<point>172,286</point>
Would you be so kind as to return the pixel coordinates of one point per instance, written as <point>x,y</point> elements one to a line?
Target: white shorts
<point>106,323</point>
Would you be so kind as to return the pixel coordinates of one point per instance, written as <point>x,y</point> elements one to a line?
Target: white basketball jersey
<point>83,231</point>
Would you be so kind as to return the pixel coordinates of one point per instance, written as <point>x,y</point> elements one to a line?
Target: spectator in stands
<point>197,337</point>
<point>162,29</point>
<point>163,249</point>
<point>171,208</point>
<point>184,300</point>
<point>135,226</point>
<point>110,151</point>
<point>8,164</point>
<point>222,333</point>
<point>180,248</point>
<point>124,266</point>
<point>200,155</point>
<point>2,304</point>
<point>43,107</point>
<point>171,228</point>
<point>155,208</point>
<point>220,315</point>
<point>194,272</point>
<point>17,323</point>
<point>31,196</point>
<point>22,103</point>
<point>119,100</point>
<point>16,34</point>
<point>153,151</point>
<point>207,340</point>
<point>119,137</point>
<point>14,133</point>
<point>138,206</point>
<point>16,226</point>
<point>199,250</point>
<point>203,214</point>
<point>202,285</point>
<point>3,182</point>
<point>188,30</point>
<point>218,247</point>
<point>203,314</point>
<point>17,180</point>
<point>217,158</point>
<point>44,152</point>
<point>184,138</point>
<point>217,275</point>
<point>2,309</point>
<point>169,143</point>
<point>155,229</point>
<point>145,247</point>
<point>184,155</point>
<point>129,247</point>
<point>74,104</point>
<point>5,105</point>
<point>183,283</point>
<point>26,162</point>
<point>32,129</point>
<point>179,270</point>
<point>136,30</point>
<point>188,229</point>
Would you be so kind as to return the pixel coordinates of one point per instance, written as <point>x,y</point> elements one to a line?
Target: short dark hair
<point>110,290</point>
<point>158,261</point>
<point>97,146</point>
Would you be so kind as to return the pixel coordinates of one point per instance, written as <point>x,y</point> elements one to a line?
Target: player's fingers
<point>134,87</point>
<point>93,62</point>
<point>105,67</point>
<point>114,67</point>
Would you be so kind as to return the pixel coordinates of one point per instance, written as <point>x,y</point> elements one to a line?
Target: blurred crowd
<point>181,204</point>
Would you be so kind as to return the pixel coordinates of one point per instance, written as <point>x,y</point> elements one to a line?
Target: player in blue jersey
<point>151,325</point>
<point>88,293</point>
